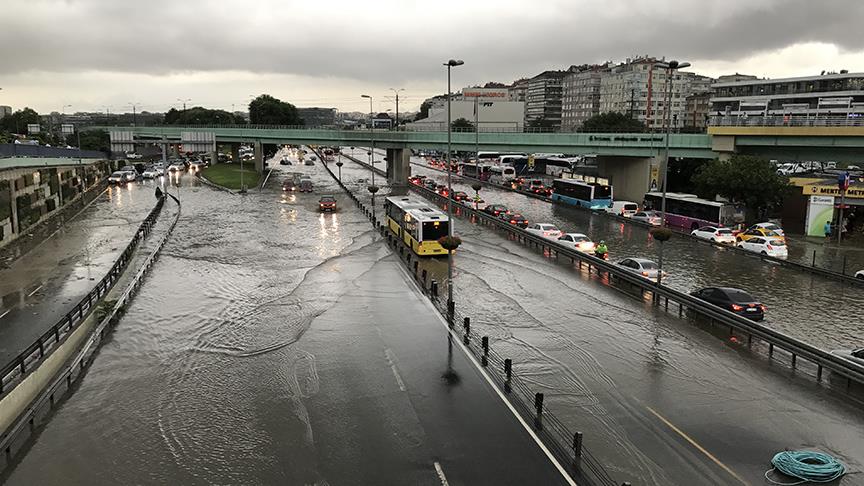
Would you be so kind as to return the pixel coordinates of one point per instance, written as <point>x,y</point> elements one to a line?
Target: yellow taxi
<point>759,232</point>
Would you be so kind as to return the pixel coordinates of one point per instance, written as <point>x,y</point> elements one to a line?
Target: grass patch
<point>228,175</point>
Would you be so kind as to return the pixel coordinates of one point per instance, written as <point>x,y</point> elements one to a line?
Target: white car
<point>642,267</point>
<point>196,165</point>
<point>117,178</point>
<point>766,246</point>
<point>545,230</point>
<point>152,172</point>
<point>715,234</point>
<point>770,227</point>
<point>650,217</point>
<point>131,175</point>
<point>859,274</point>
<point>580,241</point>
<point>176,167</point>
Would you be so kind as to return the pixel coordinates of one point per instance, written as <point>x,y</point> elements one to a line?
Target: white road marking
<point>441,475</point>
<point>491,383</point>
<point>4,314</point>
<point>395,371</point>
<point>35,290</point>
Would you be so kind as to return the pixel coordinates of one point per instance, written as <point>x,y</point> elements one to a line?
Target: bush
<point>450,243</point>
<point>661,234</point>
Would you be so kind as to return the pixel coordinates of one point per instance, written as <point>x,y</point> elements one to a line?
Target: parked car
<point>854,355</point>
<point>715,234</point>
<point>733,300</point>
<point>580,241</point>
<point>544,230</point>
<point>773,247</point>
<point>495,209</point>
<point>327,203</point>
<point>642,267</point>
<point>650,217</point>
<point>514,218</point>
<point>118,177</point>
<point>623,208</point>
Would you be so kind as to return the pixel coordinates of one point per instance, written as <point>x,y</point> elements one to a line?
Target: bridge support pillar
<point>398,170</point>
<point>259,156</point>
<point>235,153</point>
<point>631,177</point>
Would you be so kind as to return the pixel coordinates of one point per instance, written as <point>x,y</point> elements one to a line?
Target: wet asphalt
<point>273,344</point>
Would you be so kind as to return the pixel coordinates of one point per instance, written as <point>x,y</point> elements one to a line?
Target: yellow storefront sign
<point>832,190</point>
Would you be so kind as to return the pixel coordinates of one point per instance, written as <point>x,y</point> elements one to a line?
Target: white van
<point>501,174</point>
<point>623,208</point>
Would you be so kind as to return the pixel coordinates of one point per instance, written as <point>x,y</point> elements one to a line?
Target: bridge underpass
<point>658,394</point>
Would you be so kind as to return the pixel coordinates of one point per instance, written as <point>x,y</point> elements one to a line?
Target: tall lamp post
<point>671,66</point>
<point>185,100</point>
<point>450,65</point>
<point>371,150</point>
<point>397,104</point>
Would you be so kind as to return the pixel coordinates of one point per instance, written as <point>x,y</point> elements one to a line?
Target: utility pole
<point>632,100</point>
<point>134,113</point>
<point>184,100</point>
<point>397,104</point>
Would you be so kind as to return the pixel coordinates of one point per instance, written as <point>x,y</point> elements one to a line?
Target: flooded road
<point>44,284</point>
<point>271,344</point>
<point>660,401</point>
<point>799,304</point>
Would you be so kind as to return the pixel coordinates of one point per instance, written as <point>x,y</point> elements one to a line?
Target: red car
<point>514,219</point>
<point>459,196</point>
<point>327,203</point>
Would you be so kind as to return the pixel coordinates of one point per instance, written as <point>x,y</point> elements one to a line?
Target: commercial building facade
<point>5,111</point>
<point>581,96</point>
<point>543,99</point>
<point>826,94</point>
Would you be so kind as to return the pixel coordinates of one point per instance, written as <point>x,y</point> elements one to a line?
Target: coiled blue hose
<point>808,466</point>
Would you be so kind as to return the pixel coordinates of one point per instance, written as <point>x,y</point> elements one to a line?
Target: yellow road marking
<point>697,446</point>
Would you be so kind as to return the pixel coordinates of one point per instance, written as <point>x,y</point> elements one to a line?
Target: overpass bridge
<point>630,161</point>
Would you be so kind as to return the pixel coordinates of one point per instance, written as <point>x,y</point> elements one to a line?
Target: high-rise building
<point>5,111</point>
<point>639,87</point>
<point>580,95</point>
<point>543,99</point>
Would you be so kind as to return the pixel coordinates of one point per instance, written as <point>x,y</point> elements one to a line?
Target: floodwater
<point>661,401</point>
<point>820,311</point>
<point>273,344</point>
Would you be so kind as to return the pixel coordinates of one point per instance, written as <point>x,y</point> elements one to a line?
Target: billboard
<point>500,94</point>
<point>820,210</point>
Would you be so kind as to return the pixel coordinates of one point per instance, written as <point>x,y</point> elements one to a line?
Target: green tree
<point>17,122</point>
<point>743,179</point>
<point>202,116</point>
<point>612,122</point>
<point>92,140</point>
<point>463,125</point>
<point>541,123</point>
<point>267,110</point>
<point>424,110</point>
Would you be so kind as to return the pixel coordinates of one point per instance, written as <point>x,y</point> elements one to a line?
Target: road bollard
<point>484,343</point>
<point>423,276</point>
<point>844,265</point>
<point>538,403</point>
<point>508,368</point>
<point>416,265</point>
<point>466,323</point>
<point>813,264</point>
<point>577,445</point>
<point>434,288</point>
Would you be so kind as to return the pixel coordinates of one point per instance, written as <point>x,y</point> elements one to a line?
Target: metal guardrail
<point>74,369</point>
<point>825,272</point>
<point>11,373</point>
<point>774,339</point>
<point>21,150</point>
<point>663,295</point>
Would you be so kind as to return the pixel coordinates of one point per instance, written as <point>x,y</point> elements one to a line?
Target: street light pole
<point>450,64</point>
<point>670,69</point>
<point>476,128</point>
<point>184,100</point>
<point>397,104</point>
<point>134,113</point>
<point>371,149</point>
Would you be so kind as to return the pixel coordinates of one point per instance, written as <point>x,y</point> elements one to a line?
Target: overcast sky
<point>93,54</point>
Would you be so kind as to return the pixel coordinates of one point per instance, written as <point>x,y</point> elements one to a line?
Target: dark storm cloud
<point>400,40</point>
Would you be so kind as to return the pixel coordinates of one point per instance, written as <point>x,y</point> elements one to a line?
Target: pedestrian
<point>828,230</point>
